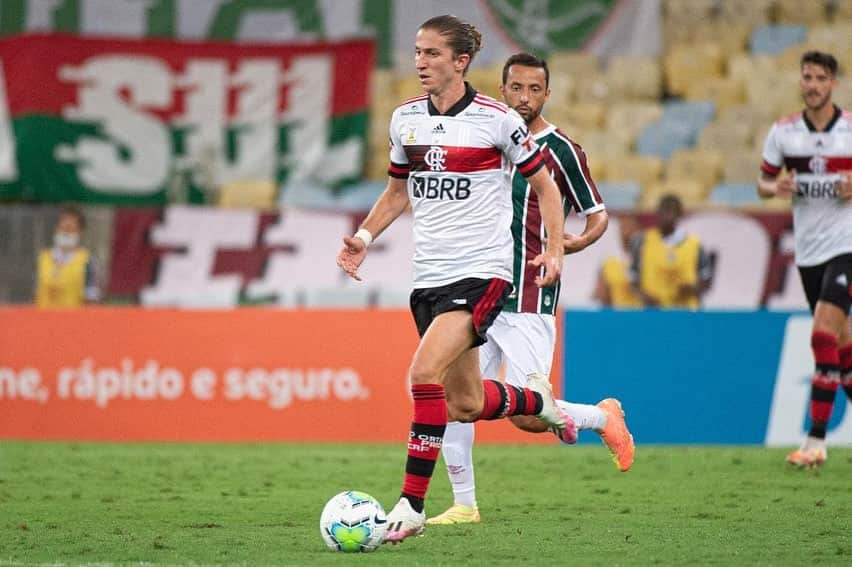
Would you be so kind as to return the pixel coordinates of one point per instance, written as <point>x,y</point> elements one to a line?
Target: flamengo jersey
<point>568,166</point>
<point>457,166</point>
<point>822,221</point>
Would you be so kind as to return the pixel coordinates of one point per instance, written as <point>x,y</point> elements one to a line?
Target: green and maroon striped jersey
<point>567,163</point>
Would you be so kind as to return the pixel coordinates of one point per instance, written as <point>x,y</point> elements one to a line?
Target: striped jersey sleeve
<point>772,156</point>
<point>570,168</point>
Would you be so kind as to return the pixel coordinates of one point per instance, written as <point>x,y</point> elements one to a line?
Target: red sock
<point>825,381</point>
<point>503,400</point>
<point>846,369</point>
<point>424,441</point>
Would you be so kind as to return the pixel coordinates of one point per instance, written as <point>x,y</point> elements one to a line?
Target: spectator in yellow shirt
<point>614,288</point>
<point>669,268</point>
<point>66,272</point>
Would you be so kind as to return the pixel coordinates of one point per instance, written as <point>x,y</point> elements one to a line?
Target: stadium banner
<point>145,122</point>
<point>203,257</point>
<point>700,378</point>
<point>265,374</point>
<point>508,26</point>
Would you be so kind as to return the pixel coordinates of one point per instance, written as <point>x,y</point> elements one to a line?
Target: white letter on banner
<point>310,159</point>
<point>122,18</point>
<point>204,118</point>
<point>41,14</point>
<point>742,251</point>
<point>255,123</point>
<point>8,160</point>
<point>186,279</point>
<point>315,239</point>
<point>125,127</point>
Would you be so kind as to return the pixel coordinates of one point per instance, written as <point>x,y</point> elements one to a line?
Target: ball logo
<point>435,158</point>
<point>818,165</point>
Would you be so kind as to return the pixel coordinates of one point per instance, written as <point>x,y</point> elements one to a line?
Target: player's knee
<point>424,374</point>
<point>464,409</point>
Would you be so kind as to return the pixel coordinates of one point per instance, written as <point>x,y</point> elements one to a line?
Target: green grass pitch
<point>208,504</point>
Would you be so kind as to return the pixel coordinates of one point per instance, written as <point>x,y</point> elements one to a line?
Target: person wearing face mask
<point>66,272</point>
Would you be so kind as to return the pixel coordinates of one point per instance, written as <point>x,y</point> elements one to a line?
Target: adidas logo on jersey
<point>439,129</point>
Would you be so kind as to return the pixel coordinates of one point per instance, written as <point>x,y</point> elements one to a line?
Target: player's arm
<point>390,204</point>
<point>596,224</point>
<point>553,217</point>
<point>779,185</point>
<point>844,186</point>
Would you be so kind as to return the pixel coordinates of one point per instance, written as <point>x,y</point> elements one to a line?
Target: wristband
<point>364,235</point>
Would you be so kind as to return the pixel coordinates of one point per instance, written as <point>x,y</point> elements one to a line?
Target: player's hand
<point>350,258</point>
<point>844,186</point>
<point>573,243</point>
<point>552,269</point>
<point>785,185</point>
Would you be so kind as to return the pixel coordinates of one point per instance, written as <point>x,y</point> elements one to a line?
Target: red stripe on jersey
<point>415,99</point>
<point>531,164</point>
<point>456,159</point>
<point>769,168</point>
<point>399,170</point>
<point>824,164</point>
<point>486,305</point>
<point>532,248</point>
<point>835,164</point>
<point>491,103</point>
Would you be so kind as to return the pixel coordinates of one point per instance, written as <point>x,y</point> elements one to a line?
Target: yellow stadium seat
<point>573,64</point>
<point>843,11</point>
<point>592,88</point>
<point>407,86</point>
<point>634,78</point>
<point>600,144</point>
<point>724,92</point>
<point>691,192</point>
<point>704,166</point>
<point>752,68</point>
<point>749,12</point>
<point>810,12</point>
<point>685,64</point>
<point>248,194</point>
<point>586,115</point>
<point>835,38</point>
<point>781,95</point>
<point>382,85</point>
<point>741,166</point>
<point>487,80</point>
<point>723,135</point>
<point>644,170</point>
<point>631,117</point>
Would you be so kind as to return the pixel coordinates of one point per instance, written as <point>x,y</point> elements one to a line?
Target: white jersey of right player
<point>457,166</point>
<point>822,221</point>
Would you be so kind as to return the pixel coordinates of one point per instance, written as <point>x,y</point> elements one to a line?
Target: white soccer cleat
<point>404,522</point>
<point>550,412</point>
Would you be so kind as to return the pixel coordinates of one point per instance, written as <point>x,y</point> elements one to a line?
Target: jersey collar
<point>837,114</point>
<point>463,102</point>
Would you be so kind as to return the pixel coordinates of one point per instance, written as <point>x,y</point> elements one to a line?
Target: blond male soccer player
<point>523,336</point>
<point>815,147</point>
<point>447,153</point>
<point>66,272</point>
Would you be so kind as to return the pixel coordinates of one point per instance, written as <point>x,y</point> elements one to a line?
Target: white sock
<point>585,416</point>
<point>813,443</point>
<point>458,456</point>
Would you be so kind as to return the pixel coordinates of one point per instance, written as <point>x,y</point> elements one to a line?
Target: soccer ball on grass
<point>353,522</point>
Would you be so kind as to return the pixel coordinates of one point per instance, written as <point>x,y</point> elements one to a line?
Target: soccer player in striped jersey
<point>815,146</point>
<point>448,149</point>
<point>524,334</point>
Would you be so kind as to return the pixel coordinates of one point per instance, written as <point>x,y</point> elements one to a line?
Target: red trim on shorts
<point>486,305</point>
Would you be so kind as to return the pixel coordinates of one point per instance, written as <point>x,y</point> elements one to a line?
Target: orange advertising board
<point>131,374</point>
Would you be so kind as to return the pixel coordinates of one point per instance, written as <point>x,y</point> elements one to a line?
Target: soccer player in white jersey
<point>815,147</point>
<point>523,336</point>
<point>447,151</point>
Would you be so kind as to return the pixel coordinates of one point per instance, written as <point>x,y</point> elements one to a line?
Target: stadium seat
<point>661,139</point>
<point>573,64</point>
<point>723,135</point>
<point>686,63</point>
<point>749,12</point>
<point>631,117</point>
<point>644,170</point>
<point>620,196</point>
<point>734,195</point>
<point>248,194</point>
<point>741,167</point>
<point>704,166</point>
<point>723,91</point>
<point>586,115</point>
<point>690,191</point>
<point>773,39</point>
<point>812,12</point>
<point>780,95</point>
<point>634,78</point>
<point>835,38</point>
<point>747,67</point>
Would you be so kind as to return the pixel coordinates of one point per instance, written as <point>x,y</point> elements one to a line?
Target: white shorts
<point>524,341</point>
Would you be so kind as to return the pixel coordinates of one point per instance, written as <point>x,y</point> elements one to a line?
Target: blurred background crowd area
<point>665,96</point>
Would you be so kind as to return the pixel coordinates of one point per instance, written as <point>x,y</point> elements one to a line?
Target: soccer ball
<point>353,522</point>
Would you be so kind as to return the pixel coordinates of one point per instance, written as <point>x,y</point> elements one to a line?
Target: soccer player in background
<point>447,151</point>
<point>523,336</point>
<point>815,147</point>
<point>66,272</point>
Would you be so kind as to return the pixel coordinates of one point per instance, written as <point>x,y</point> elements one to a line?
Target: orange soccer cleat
<point>616,436</point>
